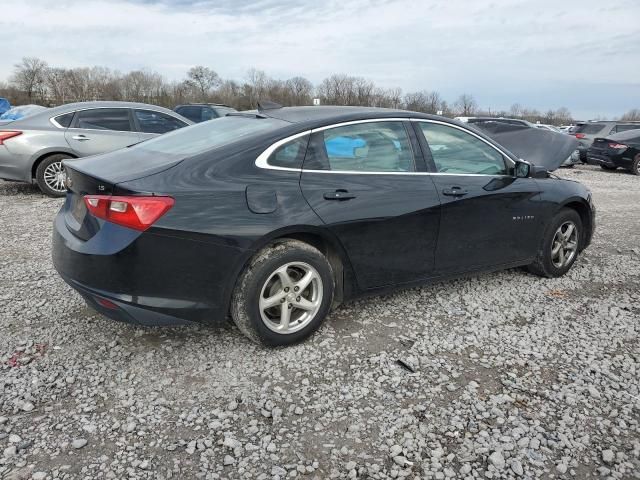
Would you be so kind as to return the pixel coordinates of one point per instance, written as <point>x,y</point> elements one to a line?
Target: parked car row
<point>587,132</point>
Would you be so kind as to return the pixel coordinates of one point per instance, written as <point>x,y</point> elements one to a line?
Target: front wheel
<point>560,245</point>
<point>284,294</point>
<point>50,176</point>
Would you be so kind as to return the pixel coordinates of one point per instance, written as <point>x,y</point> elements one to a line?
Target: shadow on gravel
<point>18,188</point>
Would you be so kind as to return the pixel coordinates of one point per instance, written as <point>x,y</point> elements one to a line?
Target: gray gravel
<point>513,376</point>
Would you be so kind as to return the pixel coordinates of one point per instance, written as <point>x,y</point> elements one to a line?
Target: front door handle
<point>338,195</point>
<point>81,138</point>
<point>454,192</point>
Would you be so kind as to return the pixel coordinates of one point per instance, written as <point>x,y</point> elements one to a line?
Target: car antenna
<point>267,105</point>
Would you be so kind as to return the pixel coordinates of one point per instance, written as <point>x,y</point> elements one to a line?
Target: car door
<point>366,182</point>
<point>100,130</point>
<point>489,217</point>
<point>151,123</point>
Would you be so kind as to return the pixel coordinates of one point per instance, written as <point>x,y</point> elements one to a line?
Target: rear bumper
<point>14,167</point>
<point>599,158</point>
<point>147,278</point>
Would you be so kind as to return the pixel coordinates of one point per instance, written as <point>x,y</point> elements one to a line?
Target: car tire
<point>274,280</point>
<point>635,165</point>
<point>48,175</point>
<point>551,260</point>
<point>607,167</point>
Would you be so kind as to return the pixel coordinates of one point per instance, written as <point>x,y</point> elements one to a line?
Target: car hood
<point>539,147</point>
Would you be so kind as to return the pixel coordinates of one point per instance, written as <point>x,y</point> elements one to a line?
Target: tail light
<point>7,134</point>
<point>617,146</point>
<point>138,213</point>
<point>580,135</point>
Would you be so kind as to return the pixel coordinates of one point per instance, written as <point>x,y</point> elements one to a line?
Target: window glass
<point>366,147</point>
<point>589,128</point>
<point>222,111</point>
<point>192,113</point>
<point>64,120</point>
<point>625,128</point>
<point>104,119</point>
<point>290,155</point>
<point>209,135</point>
<point>157,122</point>
<point>456,151</point>
<point>208,113</point>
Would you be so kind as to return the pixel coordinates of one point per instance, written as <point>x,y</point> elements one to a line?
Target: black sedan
<point>621,150</point>
<point>275,216</point>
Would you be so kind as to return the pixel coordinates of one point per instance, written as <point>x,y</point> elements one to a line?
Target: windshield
<point>208,135</point>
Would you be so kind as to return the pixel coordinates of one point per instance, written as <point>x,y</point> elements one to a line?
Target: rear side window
<point>589,128</point>
<point>116,119</point>
<point>157,122</point>
<point>363,147</point>
<point>291,154</point>
<point>64,120</point>
<point>455,151</point>
<point>626,128</point>
<point>191,112</point>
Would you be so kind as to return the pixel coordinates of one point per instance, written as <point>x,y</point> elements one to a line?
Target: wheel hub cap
<point>291,297</point>
<point>564,245</point>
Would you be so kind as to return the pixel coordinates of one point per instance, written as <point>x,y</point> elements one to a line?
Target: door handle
<point>454,192</point>
<point>80,138</point>
<point>338,195</point>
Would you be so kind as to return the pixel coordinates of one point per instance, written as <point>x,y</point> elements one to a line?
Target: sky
<point>581,54</point>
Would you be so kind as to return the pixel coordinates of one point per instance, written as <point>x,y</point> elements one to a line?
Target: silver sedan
<point>32,149</point>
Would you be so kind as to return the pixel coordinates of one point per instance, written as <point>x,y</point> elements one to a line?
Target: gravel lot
<point>508,375</point>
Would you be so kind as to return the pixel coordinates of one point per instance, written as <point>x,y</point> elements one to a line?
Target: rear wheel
<point>635,165</point>
<point>607,167</point>
<point>50,175</point>
<point>560,245</point>
<point>284,294</point>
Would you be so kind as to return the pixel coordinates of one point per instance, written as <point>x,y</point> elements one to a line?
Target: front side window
<point>104,119</point>
<point>362,147</point>
<point>458,152</point>
<point>157,122</point>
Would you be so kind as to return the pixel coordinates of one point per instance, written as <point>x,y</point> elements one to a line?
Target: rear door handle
<point>81,138</point>
<point>338,195</point>
<point>454,192</point>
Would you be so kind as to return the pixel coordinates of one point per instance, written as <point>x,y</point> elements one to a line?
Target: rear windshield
<point>213,134</point>
<point>589,128</point>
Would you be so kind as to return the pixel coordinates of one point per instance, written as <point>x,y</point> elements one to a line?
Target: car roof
<point>69,107</point>
<point>320,115</point>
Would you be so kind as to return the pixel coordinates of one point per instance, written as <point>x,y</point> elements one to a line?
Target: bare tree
<point>631,115</point>
<point>300,90</point>
<point>30,76</point>
<point>203,79</point>
<point>466,105</point>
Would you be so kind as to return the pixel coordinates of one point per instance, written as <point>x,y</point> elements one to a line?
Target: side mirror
<point>522,169</point>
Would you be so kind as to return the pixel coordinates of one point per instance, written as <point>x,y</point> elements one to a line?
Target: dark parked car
<point>201,112</point>
<point>277,215</point>
<point>587,132</point>
<point>621,150</point>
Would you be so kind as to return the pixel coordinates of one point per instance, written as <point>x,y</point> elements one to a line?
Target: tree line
<point>35,81</point>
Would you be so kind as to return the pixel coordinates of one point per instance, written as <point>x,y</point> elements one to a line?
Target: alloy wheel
<point>565,245</point>
<point>55,176</point>
<point>291,297</point>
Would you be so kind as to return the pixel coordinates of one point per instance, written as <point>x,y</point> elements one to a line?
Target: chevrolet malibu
<point>276,216</point>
